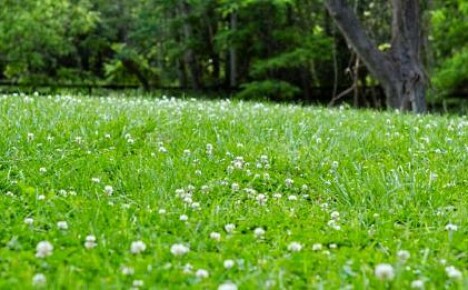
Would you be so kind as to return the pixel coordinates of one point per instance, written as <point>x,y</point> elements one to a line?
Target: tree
<point>448,48</point>
<point>35,37</point>
<point>399,70</point>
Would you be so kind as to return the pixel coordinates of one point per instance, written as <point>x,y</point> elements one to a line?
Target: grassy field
<point>121,193</point>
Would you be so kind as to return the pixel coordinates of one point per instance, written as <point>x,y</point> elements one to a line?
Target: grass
<point>352,189</point>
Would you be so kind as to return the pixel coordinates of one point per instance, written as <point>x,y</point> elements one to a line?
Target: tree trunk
<point>400,70</point>
<point>212,29</point>
<point>189,56</point>
<point>233,53</point>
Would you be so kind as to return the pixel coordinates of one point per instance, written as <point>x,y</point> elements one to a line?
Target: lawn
<point>162,193</point>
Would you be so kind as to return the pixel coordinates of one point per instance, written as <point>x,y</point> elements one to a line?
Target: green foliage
<point>202,43</point>
<point>449,38</point>
<point>452,73</point>
<point>118,73</point>
<point>34,35</point>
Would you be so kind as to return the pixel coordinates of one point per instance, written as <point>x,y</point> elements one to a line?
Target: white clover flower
<point>259,233</point>
<point>333,246</point>
<point>188,199</point>
<point>202,273</point>
<point>108,189</point>
<point>292,197</point>
<point>195,205</point>
<point>251,193</point>
<point>335,164</point>
<point>235,187</point>
<point>384,272</point>
<point>403,255</point>
<point>451,228</point>
<point>90,242</point>
<point>183,218</point>
<point>289,182</point>
<point>237,164</point>
<point>62,225</point>
<point>179,249</point>
<point>335,215</point>
<point>187,152</point>
<point>180,192</point>
<point>277,195</point>
<point>41,197</point>
<point>30,136</point>
<point>209,149</point>
<point>261,198</point>
<point>228,264</point>
<point>215,236</point>
<point>127,271</point>
<point>44,249</point>
<point>229,228</point>
<point>294,247</point>
<point>334,225</point>
<point>162,211</point>
<point>39,280</point>
<point>227,286</point>
<point>453,273</point>
<point>187,269</point>
<point>137,247</point>
<point>317,247</point>
<point>417,284</point>
<point>42,170</point>
<point>28,221</point>
<point>137,283</point>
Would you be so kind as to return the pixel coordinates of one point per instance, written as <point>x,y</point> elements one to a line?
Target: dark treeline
<point>276,49</point>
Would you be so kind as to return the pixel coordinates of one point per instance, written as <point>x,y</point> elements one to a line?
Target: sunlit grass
<point>174,194</point>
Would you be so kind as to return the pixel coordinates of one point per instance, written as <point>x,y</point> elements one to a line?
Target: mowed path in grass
<point>117,192</point>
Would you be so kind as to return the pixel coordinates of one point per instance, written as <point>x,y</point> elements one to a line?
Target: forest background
<point>281,50</point>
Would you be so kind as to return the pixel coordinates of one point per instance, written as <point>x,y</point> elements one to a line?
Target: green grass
<point>396,181</point>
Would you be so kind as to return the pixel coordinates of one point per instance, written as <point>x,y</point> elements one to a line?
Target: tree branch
<point>350,26</point>
<point>406,24</point>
